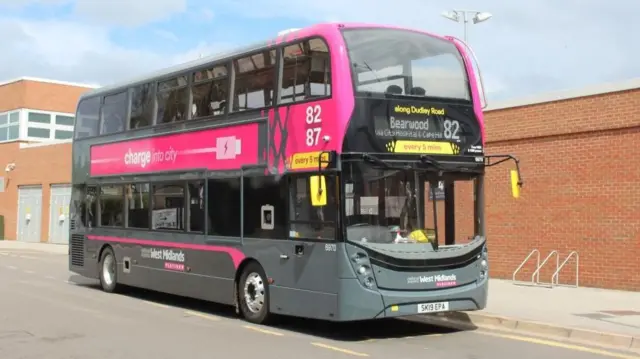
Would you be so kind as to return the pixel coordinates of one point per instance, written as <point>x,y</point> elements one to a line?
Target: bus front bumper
<point>359,303</point>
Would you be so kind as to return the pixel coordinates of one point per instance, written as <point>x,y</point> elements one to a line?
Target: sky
<point>526,48</point>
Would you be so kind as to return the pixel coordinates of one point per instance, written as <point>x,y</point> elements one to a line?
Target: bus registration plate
<point>433,307</point>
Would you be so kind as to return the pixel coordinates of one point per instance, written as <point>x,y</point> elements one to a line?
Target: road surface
<point>46,312</point>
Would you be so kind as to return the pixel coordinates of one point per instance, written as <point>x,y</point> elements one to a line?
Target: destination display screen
<point>416,128</point>
<point>383,125</point>
<point>418,122</point>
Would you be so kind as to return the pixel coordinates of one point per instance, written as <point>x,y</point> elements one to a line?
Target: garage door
<point>29,213</point>
<point>59,214</point>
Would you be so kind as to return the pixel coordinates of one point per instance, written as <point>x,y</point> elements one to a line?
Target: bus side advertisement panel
<point>225,148</point>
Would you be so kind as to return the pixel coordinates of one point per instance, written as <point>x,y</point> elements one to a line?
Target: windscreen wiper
<point>429,160</point>
<point>375,160</point>
<point>366,66</point>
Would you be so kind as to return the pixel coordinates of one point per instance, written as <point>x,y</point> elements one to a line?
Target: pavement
<point>45,311</point>
<point>608,318</point>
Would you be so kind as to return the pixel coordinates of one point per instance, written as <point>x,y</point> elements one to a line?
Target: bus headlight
<point>362,270</point>
<point>359,257</point>
<point>368,282</point>
<point>484,264</point>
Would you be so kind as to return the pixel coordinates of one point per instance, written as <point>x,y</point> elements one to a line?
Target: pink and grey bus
<point>291,177</point>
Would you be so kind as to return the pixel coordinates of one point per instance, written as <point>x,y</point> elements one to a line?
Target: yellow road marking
<point>201,315</point>
<point>155,304</point>
<point>556,344</point>
<point>341,350</point>
<point>264,331</point>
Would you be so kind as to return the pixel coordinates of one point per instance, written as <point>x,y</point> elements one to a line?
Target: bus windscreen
<point>385,205</point>
<point>407,63</point>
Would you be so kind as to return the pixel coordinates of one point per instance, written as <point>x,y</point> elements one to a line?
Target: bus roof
<point>225,56</point>
<point>181,68</point>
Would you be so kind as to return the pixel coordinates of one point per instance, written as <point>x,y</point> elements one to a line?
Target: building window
<point>172,100</point>
<point>141,106</point>
<point>9,126</point>
<point>64,120</point>
<point>13,132</point>
<point>112,206</point>
<point>63,135</point>
<point>114,113</point>
<point>168,206</point>
<point>254,81</point>
<point>210,89</point>
<point>37,132</point>
<point>306,71</point>
<point>36,117</point>
<point>88,117</point>
<point>138,205</point>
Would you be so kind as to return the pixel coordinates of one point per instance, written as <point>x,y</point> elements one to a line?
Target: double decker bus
<point>291,177</point>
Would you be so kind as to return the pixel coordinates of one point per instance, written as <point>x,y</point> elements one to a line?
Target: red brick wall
<point>40,96</point>
<point>39,165</point>
<point>44,166</point>
<point>581,189</point>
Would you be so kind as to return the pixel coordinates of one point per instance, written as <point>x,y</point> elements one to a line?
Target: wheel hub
<point>108,270</point>
<point>254,292</point>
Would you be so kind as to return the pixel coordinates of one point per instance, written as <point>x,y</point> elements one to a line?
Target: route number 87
<point>313,118</point>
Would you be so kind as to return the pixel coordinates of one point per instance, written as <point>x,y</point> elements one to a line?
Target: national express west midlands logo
<point>423,147</point>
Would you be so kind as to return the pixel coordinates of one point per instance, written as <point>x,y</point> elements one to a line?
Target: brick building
<point>36,127</point>
<point>580,194</point>
<point>581,186</point>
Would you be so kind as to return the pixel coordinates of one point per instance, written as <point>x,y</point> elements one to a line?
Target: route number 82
<point>313,118</point>
<point>451,128</point>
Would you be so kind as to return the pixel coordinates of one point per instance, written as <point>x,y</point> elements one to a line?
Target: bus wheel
<point>253,294</point>
<point>108,273</point>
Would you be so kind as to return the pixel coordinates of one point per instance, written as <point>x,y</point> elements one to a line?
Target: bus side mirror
<point>515,184</point>
<point>318,185</point>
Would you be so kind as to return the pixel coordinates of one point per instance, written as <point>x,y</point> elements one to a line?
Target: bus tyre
<point>108,271</point>
<point>253,294</point>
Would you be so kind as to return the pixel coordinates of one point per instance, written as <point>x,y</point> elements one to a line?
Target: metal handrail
<point>535,251</point>
<point>537,272</point>
<point>555,277</point>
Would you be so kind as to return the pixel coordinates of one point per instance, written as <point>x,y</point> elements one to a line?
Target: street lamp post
<point>457,15</point>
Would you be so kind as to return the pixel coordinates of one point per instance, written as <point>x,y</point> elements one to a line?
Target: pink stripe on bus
<point>236,255</point>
